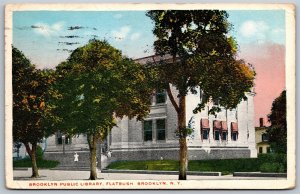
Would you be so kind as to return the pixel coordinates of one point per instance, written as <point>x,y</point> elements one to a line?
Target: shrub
<point>40,163</point>
<point>39,153</point>
<point>278,162</point>
<point>271,167</point>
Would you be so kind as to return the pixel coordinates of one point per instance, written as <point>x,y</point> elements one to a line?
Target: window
<point>147,130</point>
<point>67,139</point>
<point>224,135</point>
<point>260,150</point>
<point>160,97</point>
<point>217,128</point>
<point>265,137</point>
<point>204,124</point>
<point>224,128</point>
<point>234,131</point>
<point>234,136</point>
<point>217,135</point>
<point>205,134</point>
<point>59,139</point>
<point>268,150</point>
<point>161,129</point>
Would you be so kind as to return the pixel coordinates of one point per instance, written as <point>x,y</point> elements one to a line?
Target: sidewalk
<point>60,175</point>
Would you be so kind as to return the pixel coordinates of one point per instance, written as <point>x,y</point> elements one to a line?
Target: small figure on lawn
<point>76,156</point>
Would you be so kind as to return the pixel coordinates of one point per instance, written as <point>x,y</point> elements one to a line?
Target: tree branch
<point>172,98</point>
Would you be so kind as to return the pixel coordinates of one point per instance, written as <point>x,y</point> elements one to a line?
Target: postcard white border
<point>188,184</point>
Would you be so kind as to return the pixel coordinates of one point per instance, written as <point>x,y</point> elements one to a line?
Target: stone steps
<point>67,159</point>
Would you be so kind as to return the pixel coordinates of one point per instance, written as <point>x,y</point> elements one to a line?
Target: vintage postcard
<point>150,96</point>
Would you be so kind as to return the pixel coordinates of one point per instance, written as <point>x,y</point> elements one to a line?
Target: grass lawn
<point>41,163</point>
<point>264,163</point>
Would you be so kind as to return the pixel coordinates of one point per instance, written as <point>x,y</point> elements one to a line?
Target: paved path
<point>59,175</point>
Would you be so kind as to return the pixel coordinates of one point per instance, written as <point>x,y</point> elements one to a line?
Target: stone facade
<point>128,141</point>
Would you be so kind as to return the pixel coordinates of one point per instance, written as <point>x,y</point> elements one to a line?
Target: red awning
<point>234,126</point>
<point>217,124</point>
<point>224,126</point>
<point>205,124</point>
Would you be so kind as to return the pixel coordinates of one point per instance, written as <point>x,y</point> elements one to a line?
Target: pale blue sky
<point>45,36</point>
<point>258,26</point>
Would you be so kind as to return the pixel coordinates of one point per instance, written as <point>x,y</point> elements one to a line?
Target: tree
<point>29,104</point>
<point>278,130</point>
<point>93,87</point>
<point>203,55</point>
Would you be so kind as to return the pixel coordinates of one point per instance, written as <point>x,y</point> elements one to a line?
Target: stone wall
<point>173,154</point>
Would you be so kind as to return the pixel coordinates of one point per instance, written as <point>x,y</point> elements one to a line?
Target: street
<point>60,175</point>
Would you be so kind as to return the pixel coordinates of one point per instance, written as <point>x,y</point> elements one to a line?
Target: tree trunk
<point>181,115</point>
<point>32,153</point>
<point>183,156</point>
<point>92,140</point>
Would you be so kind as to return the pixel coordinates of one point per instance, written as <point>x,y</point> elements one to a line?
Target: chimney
<point>261,122</point>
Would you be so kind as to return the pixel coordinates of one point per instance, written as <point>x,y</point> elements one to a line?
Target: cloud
<point>135,36</point>
<point>57,26</point>
<point>254,29</point>
<point>47,30</point>
<point>121,34</point>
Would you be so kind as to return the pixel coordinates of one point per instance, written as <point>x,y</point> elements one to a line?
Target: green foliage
<point>273,158</point>
<point>29,99</point>
<point>192,31</point>
<point>190,129</point>
<point>225,166</point>
<point>39,153</point>
<point>145,165</point>
<point>203,55</point>
<point>271,167</point>
<point>278,130</point>
<point>94,86</point>
<point>40,163</point>
<point>264,163</point>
